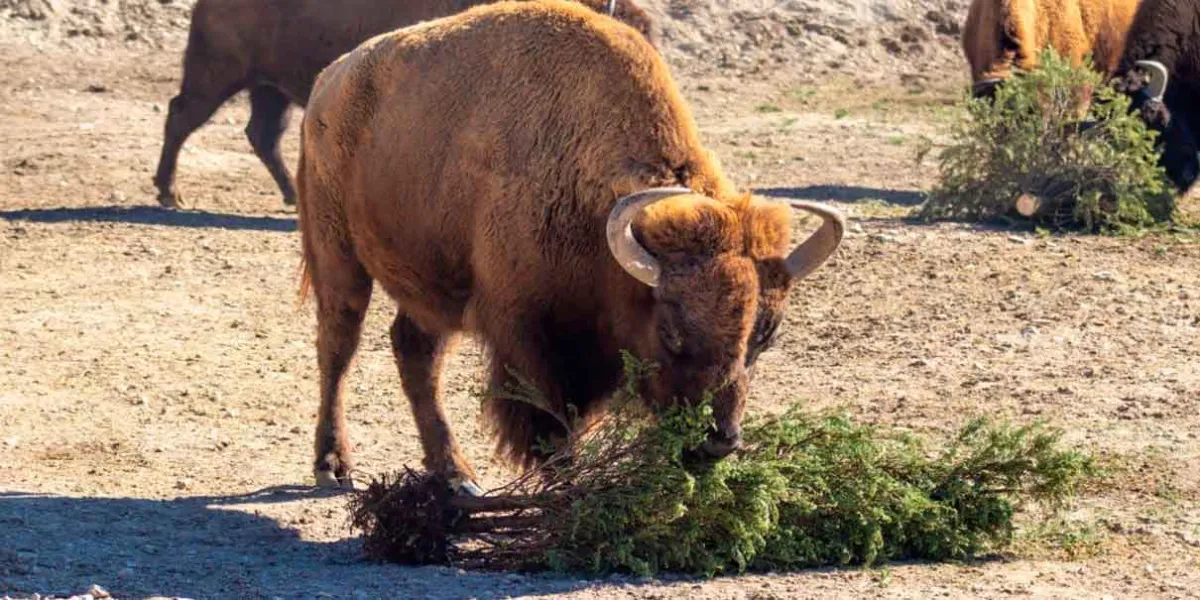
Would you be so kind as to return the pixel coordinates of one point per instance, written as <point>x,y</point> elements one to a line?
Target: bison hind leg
<point>343,288</point>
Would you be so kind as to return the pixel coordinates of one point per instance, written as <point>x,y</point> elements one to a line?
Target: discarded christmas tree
<point>806,490</point>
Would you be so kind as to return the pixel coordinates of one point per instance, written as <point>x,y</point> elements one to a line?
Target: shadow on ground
<point>843,193</point>
<point>212,547</point>
<point>152,215</point>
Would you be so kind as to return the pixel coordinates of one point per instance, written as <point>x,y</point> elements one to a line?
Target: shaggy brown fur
<point>275,48</point>
<point>1002,35</point>
<point>466,167</point>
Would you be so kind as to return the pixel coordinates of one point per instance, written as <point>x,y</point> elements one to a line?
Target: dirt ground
<point>158,378</point>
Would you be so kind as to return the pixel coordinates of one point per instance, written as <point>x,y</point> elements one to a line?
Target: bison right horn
<point>1158,78</point>
<point>632,257</point>
<point>819,246</point>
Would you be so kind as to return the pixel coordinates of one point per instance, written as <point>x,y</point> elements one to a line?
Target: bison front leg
<point>185,114</point>
<point>419,356</point>
<point>269,116</point>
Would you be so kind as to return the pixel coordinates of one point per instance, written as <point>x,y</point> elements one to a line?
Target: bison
<point>529,174</point>
<point>1160,71</point>
<point>275,48</point>
<point>1003,35</point>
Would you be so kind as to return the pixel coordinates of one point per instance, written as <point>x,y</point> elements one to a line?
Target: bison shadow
<point>152,215</point>
<point>214,547</point>
<point>843,193</point>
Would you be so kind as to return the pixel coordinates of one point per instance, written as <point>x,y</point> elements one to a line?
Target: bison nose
<point>720,444</point>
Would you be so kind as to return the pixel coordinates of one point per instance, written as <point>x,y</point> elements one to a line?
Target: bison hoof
<point>289,200</point>
<point>465,487</point>
<point>170,199</point>
<point>327,479</point>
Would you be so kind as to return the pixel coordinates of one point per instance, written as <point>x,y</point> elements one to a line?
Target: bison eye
<point>766,335</point>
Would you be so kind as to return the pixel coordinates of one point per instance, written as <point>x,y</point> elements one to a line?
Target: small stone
<point>1016,239</point>
<point>98,592</point>
<point>116,197</point>
<point>1104,276</point>
<point>181,484</point>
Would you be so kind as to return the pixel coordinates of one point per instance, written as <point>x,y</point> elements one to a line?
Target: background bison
<point>1002,35</point>
<point>468,169</point>
<point>275,48</point>
<point>1161,72</point>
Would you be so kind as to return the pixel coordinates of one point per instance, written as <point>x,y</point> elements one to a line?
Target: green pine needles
<point>807,490</point>
<point>1063,140</point>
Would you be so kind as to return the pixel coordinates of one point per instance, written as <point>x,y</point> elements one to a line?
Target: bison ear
<point>768,229</point>
<point>1156,114</point>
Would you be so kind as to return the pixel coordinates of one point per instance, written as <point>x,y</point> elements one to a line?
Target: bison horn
<point>819,246</point>
<point>612,7</point>
<point>1158,77</point>
<point>632,257</point>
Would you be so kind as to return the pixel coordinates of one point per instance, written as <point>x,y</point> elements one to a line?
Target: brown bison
<point>528,173</point>
<point>1003,35</point>
<point>1160,71</point>
<point>275,48</point>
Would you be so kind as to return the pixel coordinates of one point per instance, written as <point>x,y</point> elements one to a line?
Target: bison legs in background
<point>185,114</point>
<point>419,356</point>
<point>270,111</point>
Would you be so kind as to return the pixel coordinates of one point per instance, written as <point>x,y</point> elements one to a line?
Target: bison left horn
<point>632,257</point>
<point>819,246</point>
<point>1158,78</point>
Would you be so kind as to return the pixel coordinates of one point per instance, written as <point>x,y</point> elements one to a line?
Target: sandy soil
<point>157,376</point>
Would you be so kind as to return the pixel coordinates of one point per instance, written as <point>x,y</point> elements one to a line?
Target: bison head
<point>985,88</point>
<point>1163,108</point>
<point>719,280</point>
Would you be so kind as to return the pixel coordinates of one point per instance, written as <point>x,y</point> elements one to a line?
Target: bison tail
<point>306,249</point>
<point>305,287</point>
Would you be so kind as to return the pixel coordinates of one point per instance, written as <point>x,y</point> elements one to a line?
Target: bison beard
<point>466,167</point>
